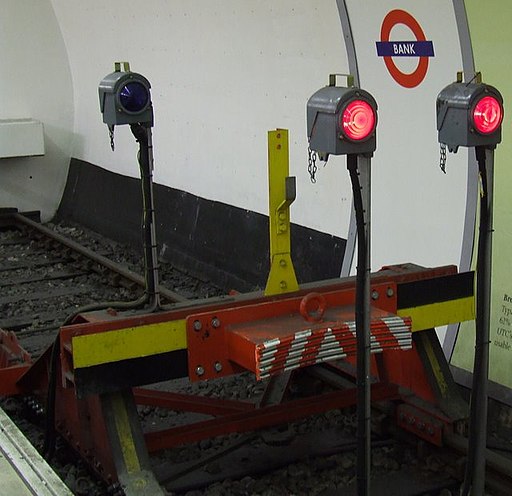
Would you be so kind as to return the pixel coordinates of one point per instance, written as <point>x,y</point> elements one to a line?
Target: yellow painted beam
<point>438,314</point>
<point>133,342</point>
<point>282,277</point>
<point>435,366</point>
<point>124,434</point>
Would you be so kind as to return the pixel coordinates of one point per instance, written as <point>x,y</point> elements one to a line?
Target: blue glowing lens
<point>134,96</point>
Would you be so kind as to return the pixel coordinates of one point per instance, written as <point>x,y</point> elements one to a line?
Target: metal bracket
<point>420,423</point>
<point>128,447</point>
<point>119,65</point>
<point>333,77</point>
<point>282,193</point>
<point>477,77</point>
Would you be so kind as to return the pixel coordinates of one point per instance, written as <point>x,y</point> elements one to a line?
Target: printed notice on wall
<point>500,349</point>
<point>503,338</point>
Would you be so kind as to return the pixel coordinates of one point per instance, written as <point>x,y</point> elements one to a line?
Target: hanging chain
<point>442,158</point>
<point>111,135</point>
<point>312,167</point>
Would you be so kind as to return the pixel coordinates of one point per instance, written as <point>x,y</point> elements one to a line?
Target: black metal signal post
<point>360,175</point>
<point>343,121</point>
<point>474,479</point>
<point>470,114</point>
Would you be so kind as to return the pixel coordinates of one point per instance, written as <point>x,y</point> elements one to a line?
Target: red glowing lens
<point>358,120</point>
<point>487,115</point>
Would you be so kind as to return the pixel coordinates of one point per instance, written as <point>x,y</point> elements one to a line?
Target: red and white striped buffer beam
<point>276,351</point>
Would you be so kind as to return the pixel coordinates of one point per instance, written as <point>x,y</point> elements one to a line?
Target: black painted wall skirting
<point>225,244</point>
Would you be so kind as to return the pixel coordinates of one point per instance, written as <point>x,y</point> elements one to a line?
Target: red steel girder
<point>11,352</point>
<point>189,403</point>
<point>214,360</point>
<point>14,362</point>
<point>8,380</point>
<point>91,323</point>
<point>263,417</point>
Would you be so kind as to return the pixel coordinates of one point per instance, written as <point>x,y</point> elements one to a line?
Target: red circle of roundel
<point>390,21</point>
<point>487,115</point>
<point>358,120</point>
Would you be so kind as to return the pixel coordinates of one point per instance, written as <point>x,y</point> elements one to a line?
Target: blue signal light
<point>134,97</point>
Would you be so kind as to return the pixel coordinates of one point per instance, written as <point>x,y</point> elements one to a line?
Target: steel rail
<point>499,468</point>
<point>99,259</point>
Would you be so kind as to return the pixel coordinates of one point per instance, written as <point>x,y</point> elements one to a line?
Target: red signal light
<point>358,120</point>
<point>487,115</point>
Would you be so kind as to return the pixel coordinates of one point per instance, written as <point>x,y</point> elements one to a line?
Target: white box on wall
<point>21,138</point>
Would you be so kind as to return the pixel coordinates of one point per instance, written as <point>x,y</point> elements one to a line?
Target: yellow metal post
<point>281,278</point>
<point>127,443</point>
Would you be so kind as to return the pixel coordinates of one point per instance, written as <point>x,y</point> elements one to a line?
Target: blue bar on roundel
<point>405,48</point>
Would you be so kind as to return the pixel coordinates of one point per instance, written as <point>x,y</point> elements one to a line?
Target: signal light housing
<point>342,121</point>
<point>125,98</point>
<point>469,114</point>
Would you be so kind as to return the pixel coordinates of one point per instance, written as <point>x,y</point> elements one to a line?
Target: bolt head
<point>375,295</point>
<point>197,325</point>
<point>217,366</point>
<point>215,323</point>
<point>199,370</point>
<point>390,292</point>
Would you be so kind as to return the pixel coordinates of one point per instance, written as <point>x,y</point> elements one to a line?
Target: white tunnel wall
<point>223,73</point>
<point>35,82</point>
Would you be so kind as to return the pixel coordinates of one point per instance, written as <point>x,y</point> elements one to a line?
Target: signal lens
<point>134,96</point>
<point>487,115</point>
<point>358,120</point>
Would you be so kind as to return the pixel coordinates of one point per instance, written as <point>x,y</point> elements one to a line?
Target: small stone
<point>325,464</point>
<point>391,464</point>
<point>82,486</point>
<point>205,444</point>
<point>213,468</point>
<point>259,486</point>
<point>346,462</point>
<point>70,479</point>
<point>433,464</point>
<point>378,459</point>
<point>295,471</point>
<point>163,413</point>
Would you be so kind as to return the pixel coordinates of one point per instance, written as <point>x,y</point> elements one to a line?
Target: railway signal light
<point>341,121</point>
<point>125,98</point>
<point>469,114</point>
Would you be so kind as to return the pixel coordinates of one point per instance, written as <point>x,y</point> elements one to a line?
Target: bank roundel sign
<point>419,48</point>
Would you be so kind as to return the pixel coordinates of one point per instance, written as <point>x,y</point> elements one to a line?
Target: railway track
<point>46,274</point>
